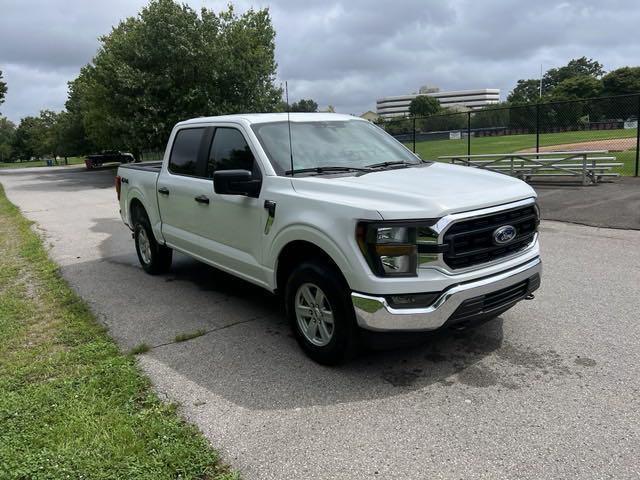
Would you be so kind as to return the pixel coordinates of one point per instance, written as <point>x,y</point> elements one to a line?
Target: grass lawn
<point>71,404</point>
<point>40,163</point>
<point>431,149</point>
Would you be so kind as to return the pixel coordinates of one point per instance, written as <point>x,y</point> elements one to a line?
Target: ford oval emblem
<point>504,234</point>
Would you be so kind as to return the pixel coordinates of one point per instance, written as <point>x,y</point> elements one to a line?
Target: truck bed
<point>155,166</point>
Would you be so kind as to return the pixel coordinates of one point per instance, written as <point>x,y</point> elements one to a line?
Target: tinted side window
<point>229,151</point>
<point>184,154</point>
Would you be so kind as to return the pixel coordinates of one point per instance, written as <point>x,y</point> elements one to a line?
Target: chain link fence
<point>151,155</point>
<point>608,123</point>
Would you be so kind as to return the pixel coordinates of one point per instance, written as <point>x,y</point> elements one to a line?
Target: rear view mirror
<point>236,182</point>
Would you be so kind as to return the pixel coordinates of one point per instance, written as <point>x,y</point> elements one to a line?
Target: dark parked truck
<point>355,232</point>
<point>108,156</point>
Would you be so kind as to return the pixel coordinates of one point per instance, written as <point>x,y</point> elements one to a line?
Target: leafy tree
<point>491,116</point>
<point>67,137</point>
<point>423,106</point>
<point>25,138</point>
<point>525,91</point>
<point>70,131</point>
<point>35,136</point>
<point>7,134</point>
<point>577,67</point>
<point>304,105</point>
<point>446,119</point>
<point>575,88</point>
<point>3,89</point>
<point>168,64</point>
<point>622,81</point>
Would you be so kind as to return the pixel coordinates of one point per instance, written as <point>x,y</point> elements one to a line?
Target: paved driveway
<point>549,390</point>
<point>608,204</point>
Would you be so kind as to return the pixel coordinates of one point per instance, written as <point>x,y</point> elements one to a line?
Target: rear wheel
<point>321,314</point>
<point>154,258</point>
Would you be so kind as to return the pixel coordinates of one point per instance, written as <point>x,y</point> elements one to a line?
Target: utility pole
<point>540,80</point>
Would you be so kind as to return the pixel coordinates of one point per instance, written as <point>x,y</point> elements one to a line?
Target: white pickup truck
<point>353,230</point>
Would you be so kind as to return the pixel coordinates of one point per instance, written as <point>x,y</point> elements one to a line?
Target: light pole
<point>540,80</point>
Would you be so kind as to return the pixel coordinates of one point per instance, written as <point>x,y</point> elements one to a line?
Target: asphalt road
<point>608,204</point>
<point>549,390</point>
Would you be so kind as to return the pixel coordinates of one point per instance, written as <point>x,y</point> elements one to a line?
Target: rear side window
<point>184,153</point>
<point>230,151</point>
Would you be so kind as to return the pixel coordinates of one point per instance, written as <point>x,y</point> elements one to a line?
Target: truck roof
<point>272,117</point>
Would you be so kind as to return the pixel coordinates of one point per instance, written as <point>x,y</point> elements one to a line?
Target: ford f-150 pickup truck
<point>354,231</point>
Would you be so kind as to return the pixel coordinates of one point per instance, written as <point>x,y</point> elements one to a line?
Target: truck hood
<point>429,191</point>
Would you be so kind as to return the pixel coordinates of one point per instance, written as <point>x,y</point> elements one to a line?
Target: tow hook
<point>531,296</point>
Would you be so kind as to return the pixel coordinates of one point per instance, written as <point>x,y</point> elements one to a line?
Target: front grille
<point>495,301</point>
<point>470,242</point>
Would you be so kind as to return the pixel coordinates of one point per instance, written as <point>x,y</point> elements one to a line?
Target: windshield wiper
<point>390,164</point>
<point>327,169</point>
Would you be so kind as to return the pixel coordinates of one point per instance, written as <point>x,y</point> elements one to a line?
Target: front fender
<point>310,234</point>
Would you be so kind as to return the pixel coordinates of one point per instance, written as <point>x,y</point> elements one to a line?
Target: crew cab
<point>352,229</point>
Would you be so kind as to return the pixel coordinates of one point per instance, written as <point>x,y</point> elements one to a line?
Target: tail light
<point>118,185</point>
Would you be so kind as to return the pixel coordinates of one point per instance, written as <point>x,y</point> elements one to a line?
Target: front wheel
<point>321,314</point>
<point>154,258</point>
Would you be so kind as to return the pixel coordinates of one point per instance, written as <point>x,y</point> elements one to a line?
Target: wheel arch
<point>296,251</point>
<point>136,208</point>
<point>137,202</point>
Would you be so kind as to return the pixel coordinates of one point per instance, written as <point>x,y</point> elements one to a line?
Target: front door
<point>234,223</point>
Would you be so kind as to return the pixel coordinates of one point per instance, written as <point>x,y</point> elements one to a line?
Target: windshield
<point>342,143</point>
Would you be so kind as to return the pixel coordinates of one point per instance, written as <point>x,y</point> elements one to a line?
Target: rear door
<point>184,192</point>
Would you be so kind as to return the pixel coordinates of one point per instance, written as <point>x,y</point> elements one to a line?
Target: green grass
<point>432,149</point>
<point>72,405</point>
<point>40,163</point>
<point>139,348</point>
<point>183,337</point>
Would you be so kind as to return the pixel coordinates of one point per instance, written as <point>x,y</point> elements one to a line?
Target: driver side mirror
<point>236,182</point>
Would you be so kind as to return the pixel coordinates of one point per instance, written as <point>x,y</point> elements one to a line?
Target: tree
<point>3,89</point>
<point>304,105</point>
<point>70,131</point>
<point>491,116</point>
<point>423,106</point>
<point>168,64</point>
<point>528,91</point>
<point>577,67</point>
<point>7,134</point>
<point>576,88</point>
<point>525,91</point>
<point>24,141</point>
<point>36,136</point>
<point>622,81</point>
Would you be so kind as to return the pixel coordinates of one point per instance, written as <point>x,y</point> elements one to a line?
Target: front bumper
<point>375,313</point>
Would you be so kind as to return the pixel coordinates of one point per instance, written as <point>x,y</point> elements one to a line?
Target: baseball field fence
<point>606,123</point>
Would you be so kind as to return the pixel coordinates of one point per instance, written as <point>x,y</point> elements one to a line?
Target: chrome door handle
<point>163,190</point>
<point>202,199</point>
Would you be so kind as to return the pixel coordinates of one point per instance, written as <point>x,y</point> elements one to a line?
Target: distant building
<point>370,115</point>
<point>462,99</point>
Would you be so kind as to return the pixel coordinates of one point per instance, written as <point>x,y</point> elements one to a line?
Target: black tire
<point>343,340</point>
<point>157,258</point>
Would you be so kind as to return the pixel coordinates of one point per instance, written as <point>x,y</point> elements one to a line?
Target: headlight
<point>397,248</point>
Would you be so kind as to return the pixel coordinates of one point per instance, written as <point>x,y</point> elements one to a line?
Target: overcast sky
<point>345,53</point>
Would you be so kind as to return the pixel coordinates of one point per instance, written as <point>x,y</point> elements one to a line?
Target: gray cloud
<point>341,52</point>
